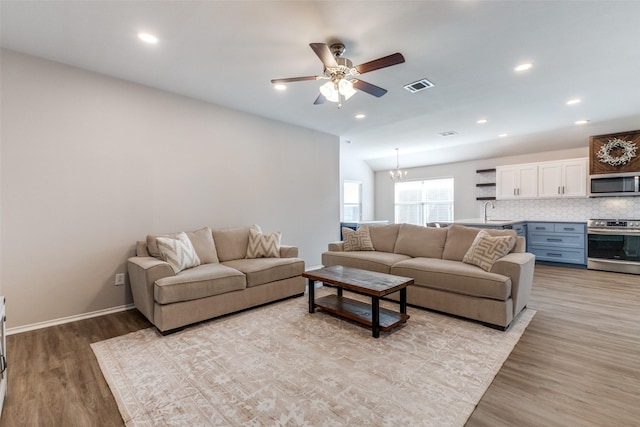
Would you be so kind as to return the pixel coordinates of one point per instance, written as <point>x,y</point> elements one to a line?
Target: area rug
<point>278,365</point>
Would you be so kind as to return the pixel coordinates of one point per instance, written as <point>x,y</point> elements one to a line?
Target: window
<point>420,202</point>
<point>352,201</point>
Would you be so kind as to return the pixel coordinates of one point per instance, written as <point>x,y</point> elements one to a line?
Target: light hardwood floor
<point>577,364</point>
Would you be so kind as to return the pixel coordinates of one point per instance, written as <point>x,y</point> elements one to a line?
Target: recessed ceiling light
<point>360,116</point>
<point>149,38</point>
<point>582,122</point>
<point>523,67</point>
<point>482,121</point>
<point>574,101</point>
<point>280,87</point>
<point>502,135</point>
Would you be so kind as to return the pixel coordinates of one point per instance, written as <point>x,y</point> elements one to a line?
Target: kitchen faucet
<point>484,219</point>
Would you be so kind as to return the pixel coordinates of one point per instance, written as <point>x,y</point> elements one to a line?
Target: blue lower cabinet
<point>558,242</point>
<point>571,256</point>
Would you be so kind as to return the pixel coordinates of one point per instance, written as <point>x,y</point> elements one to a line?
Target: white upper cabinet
<point>517,181</point>
<point>563,178</point>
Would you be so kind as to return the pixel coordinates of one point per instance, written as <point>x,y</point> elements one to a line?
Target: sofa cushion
<point>357,240</point>
<point>202,241</point>
<point>383,237</point>
<point>199,282</point>
<point>266,270</point>
<point>263,245</point>
<point>460,238</point>
<point>487,249</point>
<point>380,262</point>
<point>417,241</point>
<point>454,276</point>
<point>178,252</point>
<point>152,243</point>
<point>231,243</point>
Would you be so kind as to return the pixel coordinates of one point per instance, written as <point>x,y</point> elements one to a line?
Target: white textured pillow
<point>263,245</point>
<point>359,240</point>
<point>487,249</point>
<point>178,252</point>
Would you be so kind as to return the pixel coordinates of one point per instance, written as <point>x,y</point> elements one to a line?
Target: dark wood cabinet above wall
<point>615,153</point>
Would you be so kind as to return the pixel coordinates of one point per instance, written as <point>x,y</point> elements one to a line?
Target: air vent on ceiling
<point>448,133</point>
<point>418,86</point>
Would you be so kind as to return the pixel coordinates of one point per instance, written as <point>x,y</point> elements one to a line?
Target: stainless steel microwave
<point>619,184</point>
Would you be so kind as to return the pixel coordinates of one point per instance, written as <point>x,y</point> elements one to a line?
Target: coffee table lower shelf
<point>359,311</point>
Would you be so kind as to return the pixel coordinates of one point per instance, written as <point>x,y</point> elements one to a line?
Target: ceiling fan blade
<point>368,88</point>
<point>324,53</point>
<point>383,62</point>
<point>320,100</point>
<point>295,79</point>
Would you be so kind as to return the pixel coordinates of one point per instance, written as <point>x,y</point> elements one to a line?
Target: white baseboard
<point>46,324</point>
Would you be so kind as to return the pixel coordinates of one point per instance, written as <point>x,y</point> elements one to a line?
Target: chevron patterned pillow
<point>178,252</point>
<point>359,240</point>
<point>263,245</point>
<point>487,249</point>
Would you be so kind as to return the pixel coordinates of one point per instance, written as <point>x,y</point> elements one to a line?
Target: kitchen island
<point>519,225</point>
<point>554,242</point>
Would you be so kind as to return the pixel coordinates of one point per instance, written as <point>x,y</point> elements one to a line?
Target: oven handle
<point>613,232</point>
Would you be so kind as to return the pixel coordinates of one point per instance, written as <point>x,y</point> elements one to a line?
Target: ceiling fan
<point>341,74</point>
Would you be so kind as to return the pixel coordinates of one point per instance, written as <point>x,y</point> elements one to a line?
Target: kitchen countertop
<point>479,221</point>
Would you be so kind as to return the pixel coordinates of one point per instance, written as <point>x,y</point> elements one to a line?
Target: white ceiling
<point>226,53</point>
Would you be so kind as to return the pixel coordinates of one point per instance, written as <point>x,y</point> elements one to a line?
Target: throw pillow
<point>357,240</point>
<point>178,252</point>
<point>486,249</point>
<point>263,245</point>
<point>202,241</point>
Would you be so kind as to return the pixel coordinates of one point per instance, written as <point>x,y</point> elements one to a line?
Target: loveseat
<point>484,275</point>
<point>182,278</point>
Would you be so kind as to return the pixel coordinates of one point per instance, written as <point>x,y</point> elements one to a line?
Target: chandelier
<point>398,175</point>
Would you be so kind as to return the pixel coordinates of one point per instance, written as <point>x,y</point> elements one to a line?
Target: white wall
<point>90,164</point>
<point>355,169</point>
<point>465,192</point>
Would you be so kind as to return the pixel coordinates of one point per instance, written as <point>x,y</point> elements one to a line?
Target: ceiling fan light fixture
<point>328,90</point>
<point>345,87</point>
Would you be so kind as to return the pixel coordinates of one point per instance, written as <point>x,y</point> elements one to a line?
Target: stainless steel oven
<point>614,245</point>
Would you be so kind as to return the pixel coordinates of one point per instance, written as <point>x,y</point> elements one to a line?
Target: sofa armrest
<point>336,247</point>
<point>519,267</point>
<point>143,273</point>
<point>288,251</point>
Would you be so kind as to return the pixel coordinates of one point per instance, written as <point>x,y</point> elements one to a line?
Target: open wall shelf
<point>486,184</point>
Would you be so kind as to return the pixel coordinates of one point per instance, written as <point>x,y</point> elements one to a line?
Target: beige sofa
<point>433,257</point>
<point>218,280</point>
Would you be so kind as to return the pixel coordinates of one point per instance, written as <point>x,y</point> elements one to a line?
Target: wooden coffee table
<point>375,285</point>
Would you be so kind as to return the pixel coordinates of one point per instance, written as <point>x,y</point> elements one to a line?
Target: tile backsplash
<point>569,209</point>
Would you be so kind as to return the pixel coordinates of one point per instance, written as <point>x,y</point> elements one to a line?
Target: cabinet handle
<point>554,254</point>
<point>563,189</point>
<point>541,228</point>
<point>553,240</point>
<point>569,229</point>
<point>514,191</point>
<point>559,190</point>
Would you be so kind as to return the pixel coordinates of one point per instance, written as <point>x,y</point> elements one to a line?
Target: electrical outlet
<point>119,279</point>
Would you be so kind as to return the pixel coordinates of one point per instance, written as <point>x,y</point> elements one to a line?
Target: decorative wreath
<point>628,153</point>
